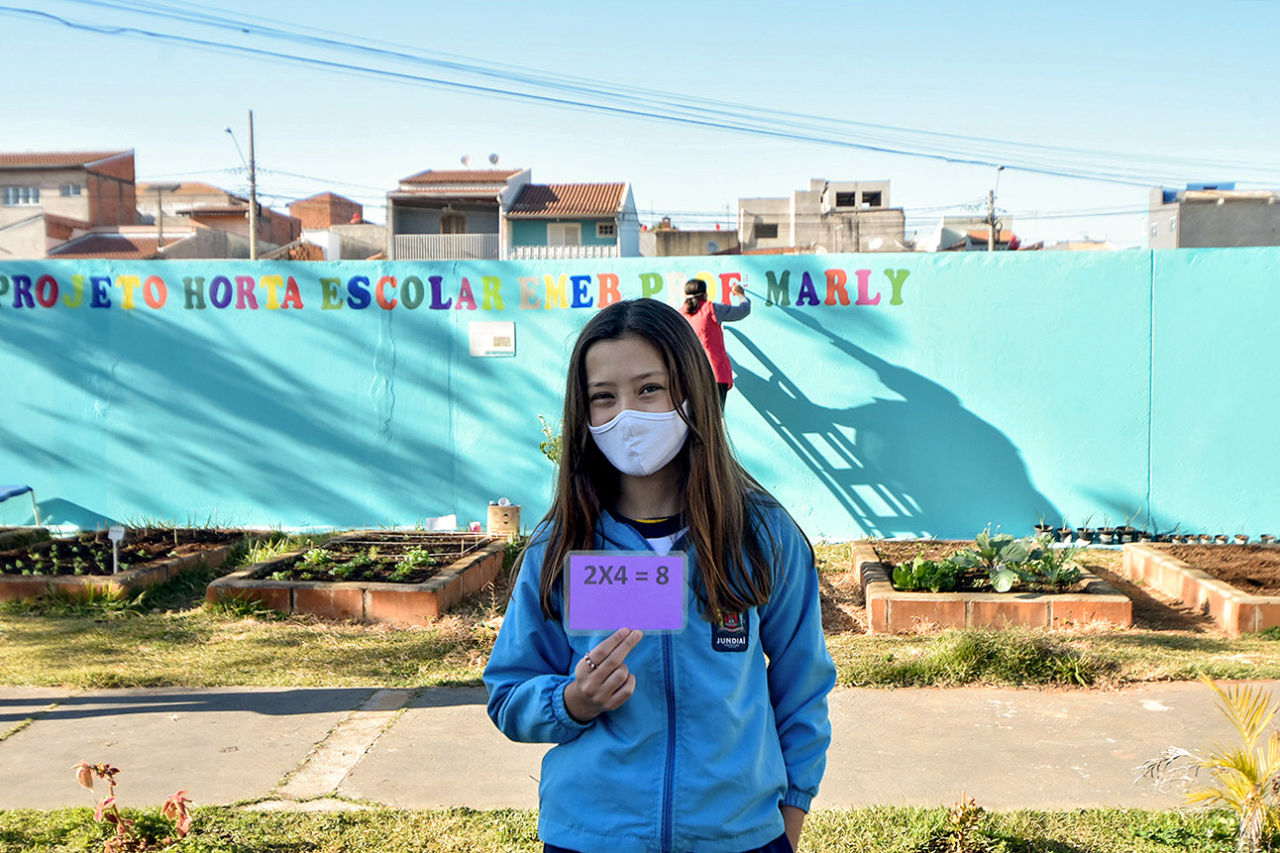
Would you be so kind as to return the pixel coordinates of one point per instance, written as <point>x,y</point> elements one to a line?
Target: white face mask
<point>641,443</point>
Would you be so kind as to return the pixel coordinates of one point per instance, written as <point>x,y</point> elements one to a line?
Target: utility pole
<point>253,198</point>
<point>991,218</point>
<point>991,213</point>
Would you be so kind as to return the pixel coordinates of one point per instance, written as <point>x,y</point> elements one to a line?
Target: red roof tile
<point>541,201</point>
<point>461,176</point>
<point>185,188</point>
<point>48,159</point>
<point>326,196</point>
<point>111,246</point>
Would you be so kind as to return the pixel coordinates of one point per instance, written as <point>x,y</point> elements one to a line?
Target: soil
<point>90,553</point>
<point>1254,569</point>
<point>407,557</point>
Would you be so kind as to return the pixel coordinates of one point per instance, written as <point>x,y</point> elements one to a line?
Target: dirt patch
<point>1152,609</point>
<point>90,553</point>
<point>380,557</point>
<point>1254,569</point>
<point>843,606</point>
<point>894,551</point>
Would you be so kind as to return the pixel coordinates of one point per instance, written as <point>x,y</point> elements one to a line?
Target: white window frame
<point>20,196</point>
<point>71,190</point>
<point>564,233</point>
<point>606,230</point>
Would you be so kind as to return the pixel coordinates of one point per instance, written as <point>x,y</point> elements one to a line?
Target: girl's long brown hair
<point>721,500</point>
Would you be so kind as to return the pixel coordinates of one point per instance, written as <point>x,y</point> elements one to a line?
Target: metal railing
<point>538,253</point>
<point>445,247</point>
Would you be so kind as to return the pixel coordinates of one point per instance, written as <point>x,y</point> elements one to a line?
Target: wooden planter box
<point>1234,611</point>
<point>364,601</point>
<point>126,583</point>
<point>890,611</point>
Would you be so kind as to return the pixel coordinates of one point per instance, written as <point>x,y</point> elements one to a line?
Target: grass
<point>871,830</point>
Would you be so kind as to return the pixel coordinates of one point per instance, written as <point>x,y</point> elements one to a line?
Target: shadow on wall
<point>221,426</point>
<point>920,466</point>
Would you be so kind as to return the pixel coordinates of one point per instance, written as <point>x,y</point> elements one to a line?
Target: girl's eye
<point>602,397</point>
<point>651,388</point>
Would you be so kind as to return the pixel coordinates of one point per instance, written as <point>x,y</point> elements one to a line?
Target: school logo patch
<point>730,634</point>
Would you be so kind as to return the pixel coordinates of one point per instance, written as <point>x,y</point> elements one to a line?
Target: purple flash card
<point>608,590</point>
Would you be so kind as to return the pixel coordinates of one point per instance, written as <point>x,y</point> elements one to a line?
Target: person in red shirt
<point>706,317</point>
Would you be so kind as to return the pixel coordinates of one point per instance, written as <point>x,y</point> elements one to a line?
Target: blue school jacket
<point>718,734</point>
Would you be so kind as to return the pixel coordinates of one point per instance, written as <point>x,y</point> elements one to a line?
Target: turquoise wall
<point>949,392</point>
<point>533,232</point>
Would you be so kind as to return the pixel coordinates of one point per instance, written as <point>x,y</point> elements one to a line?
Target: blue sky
<point>1145,91</point>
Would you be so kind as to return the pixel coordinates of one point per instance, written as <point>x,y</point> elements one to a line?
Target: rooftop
<point>461,176</point>
<point>119,246</point>
<point>54,159</point>
<point>542,201</point>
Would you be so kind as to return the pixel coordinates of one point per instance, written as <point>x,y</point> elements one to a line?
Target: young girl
<point>712,738</point>
<point>706,317</point>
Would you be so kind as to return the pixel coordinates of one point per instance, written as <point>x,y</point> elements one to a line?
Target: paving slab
<point>1010,748</point>
<point>221,745</point>
<point>445,751</point>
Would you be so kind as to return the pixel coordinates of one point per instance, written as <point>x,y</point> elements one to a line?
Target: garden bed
<point>1237,586</point>
<point>82,566</point>
<point>892,611</point>
<point>396,577</point>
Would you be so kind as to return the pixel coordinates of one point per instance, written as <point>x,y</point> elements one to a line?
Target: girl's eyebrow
<point>637,378</point>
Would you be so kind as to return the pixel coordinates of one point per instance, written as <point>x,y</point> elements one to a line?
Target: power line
<point>685,114</point>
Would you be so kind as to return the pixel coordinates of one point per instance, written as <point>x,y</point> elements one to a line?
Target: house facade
<point>492,214</point>
<point>829,216</point>
<point>47,198</point>
<point>451,214</point>
<point>573,221</point>
<point>1210,215</point>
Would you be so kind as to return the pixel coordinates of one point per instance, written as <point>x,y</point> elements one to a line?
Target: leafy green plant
<point>419,558</point>
<point>1244,777</point>
<point>316,557</point>
<point>550,445</point>
<point>1051,567</point>
<point>998,554</point>
<point>933,575</point>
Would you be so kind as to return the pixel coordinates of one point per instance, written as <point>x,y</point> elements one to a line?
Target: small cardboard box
<point>504,520</point>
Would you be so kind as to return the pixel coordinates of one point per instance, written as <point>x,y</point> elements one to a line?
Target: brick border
<point>389,603</point>
<point>890,611</point>
<point>118,585</point>
<point>1234,611</point>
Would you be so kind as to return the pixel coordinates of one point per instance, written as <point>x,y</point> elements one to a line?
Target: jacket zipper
<point>668,778</point>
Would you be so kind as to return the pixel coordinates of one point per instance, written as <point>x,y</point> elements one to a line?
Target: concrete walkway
<point>325,748</point>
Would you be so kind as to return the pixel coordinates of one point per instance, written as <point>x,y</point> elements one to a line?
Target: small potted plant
<point>1267,539</point>
<point>1242,538</point>
<point>1106,535</point>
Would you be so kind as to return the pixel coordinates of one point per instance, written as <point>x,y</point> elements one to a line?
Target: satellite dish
<point>712,247</point>
<point>466,159</point>
<point>877,243</point>
<point>493,159</point>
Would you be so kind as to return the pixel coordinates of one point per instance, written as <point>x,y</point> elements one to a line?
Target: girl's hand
<point>601,680</point>
<point>737,290</point>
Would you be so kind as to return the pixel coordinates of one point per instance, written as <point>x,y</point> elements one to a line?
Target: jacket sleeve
<point>530,667</point>
<point>801,673</point>
<point>729,313</point>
